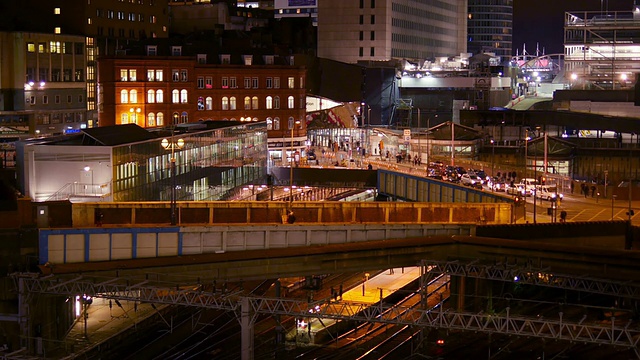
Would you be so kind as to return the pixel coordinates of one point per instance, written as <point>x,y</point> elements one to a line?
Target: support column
<point>461,281</point>
<point>23,316</point>
<point>246,346</point>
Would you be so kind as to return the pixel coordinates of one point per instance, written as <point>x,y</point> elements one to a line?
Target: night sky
<point>542,21</point>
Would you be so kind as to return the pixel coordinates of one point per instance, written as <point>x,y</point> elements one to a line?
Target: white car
<point>471,180</point>
<point>548,193</point>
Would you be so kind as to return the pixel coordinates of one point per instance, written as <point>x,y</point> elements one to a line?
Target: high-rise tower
<point>490,27</point>
<point>381,30</point>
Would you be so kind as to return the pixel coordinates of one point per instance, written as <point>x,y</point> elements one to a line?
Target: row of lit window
<point>57,47</point>
<point>153,119</point>
<point>181,97</point>
<point>157,119</point>
<point>202,82</point>
<point>121,15</point>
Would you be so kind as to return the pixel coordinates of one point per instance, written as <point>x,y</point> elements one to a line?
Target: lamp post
<point>368,142</point>
<point>535,179</point>
<point>613,198</point>
<point>526,143</point>
<point>173,145</point>
<point>493,153</point>
<point>293,125</point>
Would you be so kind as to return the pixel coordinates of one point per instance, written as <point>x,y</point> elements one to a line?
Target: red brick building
<point>153,91</point>
<point>137,89</point>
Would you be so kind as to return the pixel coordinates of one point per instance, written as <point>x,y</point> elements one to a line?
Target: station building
<point>130,163</point>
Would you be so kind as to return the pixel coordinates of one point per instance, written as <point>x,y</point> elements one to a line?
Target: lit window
<point>160,119</point>
<point>254,103</point>
<point>247,103</point>
<point>133,96</point>
<point>183,96</point>
<point>209,103</point>
<point>31,47</point>
<point>56,11</point>
<point>269,102</point>
<point>225,103</point>
<point>151,75</point>
<point>124,76</point>
<point>151,96</point>
<point>290,102</point>
<point>124,119</point>
<point>151,119</point>
<point>291,82</point>
<point>159,96</point>
<point>175,96</point>
<point>89,22</point>
<point>276,124</point>
<point>159,75</point>
<point>57,30</point>
<point>232,103</point>
<point>132,75</point>
<point>269,124</point>
<point>124,96</point>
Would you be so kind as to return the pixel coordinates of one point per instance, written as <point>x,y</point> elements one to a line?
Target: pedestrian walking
<point>563,216</point>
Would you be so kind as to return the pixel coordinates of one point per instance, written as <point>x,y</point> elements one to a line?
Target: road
<point>579,208</point>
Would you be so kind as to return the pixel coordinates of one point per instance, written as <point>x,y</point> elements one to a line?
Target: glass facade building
<point>127,163</point>
<point>490,27</point>
<point>208,167</point>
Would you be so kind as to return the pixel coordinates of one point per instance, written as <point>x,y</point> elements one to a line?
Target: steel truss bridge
<point>625,334</point>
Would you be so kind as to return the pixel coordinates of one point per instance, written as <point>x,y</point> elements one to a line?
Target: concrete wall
<point>258,212</point>
<point>64,246</point>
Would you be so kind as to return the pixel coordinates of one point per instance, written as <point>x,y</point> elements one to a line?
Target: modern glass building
<point>128,163</point>
<point>490,27</point>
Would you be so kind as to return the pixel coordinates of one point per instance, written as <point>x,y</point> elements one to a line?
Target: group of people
<point>584,189</point>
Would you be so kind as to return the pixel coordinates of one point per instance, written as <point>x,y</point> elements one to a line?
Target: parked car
<point>471,180</point>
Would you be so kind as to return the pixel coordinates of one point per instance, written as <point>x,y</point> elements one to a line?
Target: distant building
<point>354,31</point>
<point>43,87</point>
<point>601,49</point>
<point>107,24</point>
<point>490,28</point>
<point>296,9</point>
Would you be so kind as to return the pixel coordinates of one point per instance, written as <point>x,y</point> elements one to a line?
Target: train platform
<point>372,290</point>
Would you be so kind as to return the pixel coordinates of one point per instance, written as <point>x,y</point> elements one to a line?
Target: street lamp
<point>89,172</point>
<point>173,145</point>
<point>293,125</point>
<point>535,179</point>
<point>493,153</point>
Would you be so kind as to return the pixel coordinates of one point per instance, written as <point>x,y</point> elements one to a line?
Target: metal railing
<point>80,190</point>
